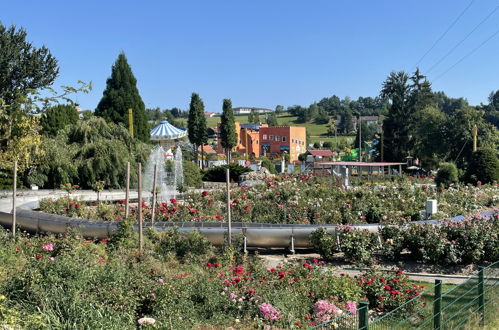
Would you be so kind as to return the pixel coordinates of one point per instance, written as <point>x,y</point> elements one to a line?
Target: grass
<point>284,119</point>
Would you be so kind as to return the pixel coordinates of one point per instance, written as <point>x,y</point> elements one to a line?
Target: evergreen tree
<point>58,117</point>
<point>196,124</point>
<point>271,119</point>
<point>253,117</point>
<point>228,128</point>
<point>121,94</point>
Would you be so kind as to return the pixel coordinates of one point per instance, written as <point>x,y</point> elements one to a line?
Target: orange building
<point>261,140</point>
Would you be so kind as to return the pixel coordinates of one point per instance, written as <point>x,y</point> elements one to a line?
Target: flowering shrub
<point>387,291</point>
<point>324,311</point>
<point>302,200</point>
<point>268,312</point>
<point>473,240</point>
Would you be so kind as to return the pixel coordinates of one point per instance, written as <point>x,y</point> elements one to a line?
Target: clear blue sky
<point>261,52</point>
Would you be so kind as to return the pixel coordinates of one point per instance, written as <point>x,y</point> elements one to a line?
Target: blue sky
<point>262,53</point>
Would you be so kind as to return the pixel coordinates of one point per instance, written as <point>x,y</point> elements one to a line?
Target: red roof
<point>208,149</point>
<point>362,164</point>
<point>322,153</point>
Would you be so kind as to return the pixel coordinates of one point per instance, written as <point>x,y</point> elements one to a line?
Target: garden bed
<point>299,200</point>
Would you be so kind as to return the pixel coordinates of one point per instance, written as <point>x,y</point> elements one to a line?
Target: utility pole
<point>14,193</point>
<point>475,133</point>
<point>130,122</point>
<point>360,139</point>
<point>228,206</point>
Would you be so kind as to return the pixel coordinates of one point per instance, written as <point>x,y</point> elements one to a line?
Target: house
<point>262,140</point>
<point>314,155</point>
<point>247,110</point>
<point>209,114</point>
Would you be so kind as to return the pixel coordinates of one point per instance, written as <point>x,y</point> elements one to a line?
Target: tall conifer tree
<point>121,94</point>
<point>196,125</point>
<point>228,128</point>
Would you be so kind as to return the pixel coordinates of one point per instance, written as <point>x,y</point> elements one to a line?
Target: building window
<point>271,138</point>
<point>265,136</point>
<point>277,138</point>
<point>256,141</point>
<point>292,140</point>
<point>283,139</point>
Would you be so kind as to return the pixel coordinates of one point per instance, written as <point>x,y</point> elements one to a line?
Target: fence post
<point>364,316</point>
<point>14,193</point>
<point>437,305</point>
<point>481,298</point>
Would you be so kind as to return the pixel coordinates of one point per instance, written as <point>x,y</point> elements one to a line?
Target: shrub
<point>387,291</point>
<point>317,145</point>
<point>446,175</point>
<point>323,243</point>
<point>327,145</point>
<point>268,165</point>
<point>192,175</point>
<point>218,173</point>
<point>190,245</point>
<point>484,167</point>
<point>358,245</point>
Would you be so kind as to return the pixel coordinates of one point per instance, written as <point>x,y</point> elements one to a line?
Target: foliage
<point>23,67</point>
<point>121,94</point>
<point>24,144</point>
<point>125,237</point>
<point>484,167</point>
<point>312,200</point>
<point>446,175</point>
<point>254,117</point>
<point>57,117</point>
<point>408,95</point>
<point>387,291</point>
<point>196,123</point>
<point>323,243</point>
<point>358,246</point>
<point>192,175</point>
<point>227,127</point>
<point>268,165</point>
<point>87,152</point>
<point>473,240</point>
<point>218,173</point>
<point>185,246</point>
<point>271,119</point>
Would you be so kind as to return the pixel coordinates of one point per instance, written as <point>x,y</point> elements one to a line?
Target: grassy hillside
<point>284,119</point>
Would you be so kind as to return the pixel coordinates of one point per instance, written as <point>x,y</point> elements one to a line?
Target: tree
<point>24,69</point>
<point>430,132</point>
<point>121,94</point>
<point>459,139</point>
<point>494,100</point>
<point>228,128</point>
<point>271,119</point>
<point>279,109</point>
<point>484,167</point>
<point>58,117</point>
<point>253,117</point>
<point>346,125</point>
<point>446,175</point>
<point>407,95</point>
<point>196,125</point>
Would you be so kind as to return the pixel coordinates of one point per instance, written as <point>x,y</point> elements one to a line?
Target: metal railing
<point>471,304</point>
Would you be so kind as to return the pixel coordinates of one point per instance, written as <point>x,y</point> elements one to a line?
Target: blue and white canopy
<point>166,131</point>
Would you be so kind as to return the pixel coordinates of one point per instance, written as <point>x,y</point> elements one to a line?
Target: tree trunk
<point>196,153</point>
<point>202,156</point>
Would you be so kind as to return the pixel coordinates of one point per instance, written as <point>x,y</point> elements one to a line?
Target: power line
<point>467,55</point>
<point>463,40</point>
<point>443,34</point>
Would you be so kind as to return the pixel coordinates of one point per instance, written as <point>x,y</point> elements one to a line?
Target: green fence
<point>471,304</point>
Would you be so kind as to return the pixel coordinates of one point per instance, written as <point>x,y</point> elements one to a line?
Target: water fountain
<point>169,173</point>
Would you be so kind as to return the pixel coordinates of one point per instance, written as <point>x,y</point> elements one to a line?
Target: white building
<point>247,110</point>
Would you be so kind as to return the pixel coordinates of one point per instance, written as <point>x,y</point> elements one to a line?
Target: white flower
<point>146,321</point>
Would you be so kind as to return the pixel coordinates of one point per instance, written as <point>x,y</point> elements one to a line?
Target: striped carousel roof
<point>166,131</point>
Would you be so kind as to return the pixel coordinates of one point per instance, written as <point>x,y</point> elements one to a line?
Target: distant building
<point>209,114</point>
<point>247,110</point>
<point>261,140</point>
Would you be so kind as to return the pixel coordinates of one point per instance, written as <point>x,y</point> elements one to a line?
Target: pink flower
<point>351,307</point>
<point>48,247</point>
<point>52,259</point>
<point>152,295</point>
<point>269,312</point>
